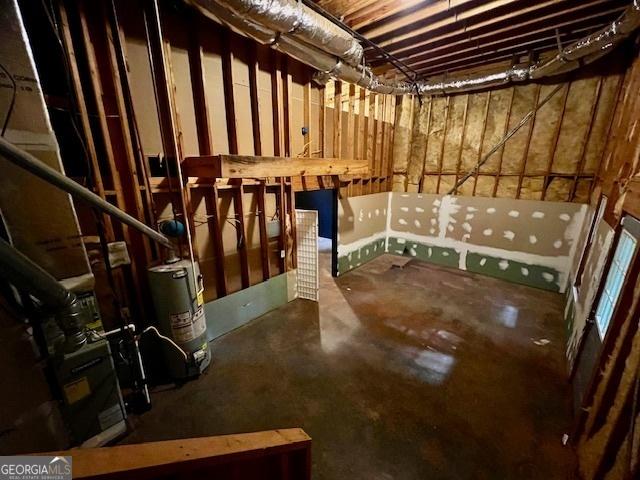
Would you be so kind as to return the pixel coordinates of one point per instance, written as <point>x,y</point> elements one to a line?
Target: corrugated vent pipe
<point>294,29</point>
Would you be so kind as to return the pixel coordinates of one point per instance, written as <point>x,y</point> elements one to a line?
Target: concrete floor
<point>417,372</point>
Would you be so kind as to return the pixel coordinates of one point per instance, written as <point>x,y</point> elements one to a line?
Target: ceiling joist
<point>444,36</point>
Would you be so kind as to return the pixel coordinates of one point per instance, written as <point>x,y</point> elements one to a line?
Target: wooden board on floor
<point>188,458</point>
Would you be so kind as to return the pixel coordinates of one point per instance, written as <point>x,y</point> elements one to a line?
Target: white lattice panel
<point>307,239</point>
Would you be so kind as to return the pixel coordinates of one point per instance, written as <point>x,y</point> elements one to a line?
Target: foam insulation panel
<point>525,241</point>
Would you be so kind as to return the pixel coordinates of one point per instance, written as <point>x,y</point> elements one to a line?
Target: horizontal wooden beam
<point>180,458</point>
<point>250,166</point>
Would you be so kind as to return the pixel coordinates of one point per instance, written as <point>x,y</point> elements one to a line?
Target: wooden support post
<point>163,89</point>
<point>444,137</point>
<point>373,131</point>
<point>351,124</point>
<point>291,203</point>
<point>276,104</point>
<point>380,109</point>
<point>241,234</point>
<point>337,119</point>
<point>96,84</point>
<point>253,93</point>
<point>426,146</point>
<point>286,100</point>
<point>554,144</point>
<point>462,138</point>
<point>218,246</point>
<point>388,135</point>
<point>506,127</point>
<point>619,98</point>
<point>306,114</point>
<point>132,177</point>
<point>98,93</point>
<point>143,166</point>
<point>198,87</point>
<point>389,141</point>
<point>184,190</point>
<point>482,135</point>
<point>361,145</point>
<point>525,154</point>
<point>321,120</point>
<point>282,216</point>
<point>264,238</point>
<point>227,80</point>
<point>585,140</point>
<point>84,115</point>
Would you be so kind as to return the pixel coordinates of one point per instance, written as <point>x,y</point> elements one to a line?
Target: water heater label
<point>199,325</point>
<point>185,327</point>
<point>182,327</point>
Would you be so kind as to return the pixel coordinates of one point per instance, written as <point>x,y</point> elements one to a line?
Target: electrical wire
<point>12,103</point>
<point>166,339</point>
<point>237,225</point>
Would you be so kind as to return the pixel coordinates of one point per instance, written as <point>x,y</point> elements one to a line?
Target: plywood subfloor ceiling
<point>439,37</point>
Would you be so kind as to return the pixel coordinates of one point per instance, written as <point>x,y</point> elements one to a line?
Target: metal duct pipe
<point>298,31</point>
<point>327,63</point>
<point>296,20</point>
<point>20,271</point>
<point>31,164</point>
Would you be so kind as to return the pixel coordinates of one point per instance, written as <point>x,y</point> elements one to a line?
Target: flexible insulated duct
<point>18,270</point>
<point>296,30</point>
<point>294,19</point>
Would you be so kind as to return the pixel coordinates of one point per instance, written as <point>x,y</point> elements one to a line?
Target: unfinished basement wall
<point>555,156</point>
<point>617,193</point>
<point>234,96</point>
<point>604,372</point>
<point>215,92</point>
<point>528,242</point>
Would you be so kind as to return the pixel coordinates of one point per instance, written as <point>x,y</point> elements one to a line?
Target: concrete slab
<point>423,372</point>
